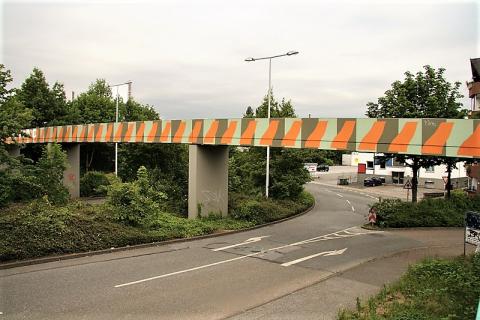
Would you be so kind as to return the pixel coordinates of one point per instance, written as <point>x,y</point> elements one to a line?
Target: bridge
<point>209,140</point>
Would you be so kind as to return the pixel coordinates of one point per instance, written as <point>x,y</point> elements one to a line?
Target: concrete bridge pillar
<point>71,176</point>
<point>207,180</point>
<point>13,150</point>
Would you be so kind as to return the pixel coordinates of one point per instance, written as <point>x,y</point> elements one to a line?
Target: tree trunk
<point>449,177</point>
<point>415,168</point>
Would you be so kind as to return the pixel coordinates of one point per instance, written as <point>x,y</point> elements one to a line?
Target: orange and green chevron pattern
<point>441,137</point>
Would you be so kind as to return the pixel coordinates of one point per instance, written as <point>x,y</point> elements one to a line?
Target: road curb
<point>23,263</point>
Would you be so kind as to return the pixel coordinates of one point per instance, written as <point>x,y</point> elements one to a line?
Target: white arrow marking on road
<point>251,240</point>
<point>311,240</point>
<point>338,194</point>
<point>325,253</point>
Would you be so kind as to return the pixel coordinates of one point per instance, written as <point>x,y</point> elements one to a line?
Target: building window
<point>430,169</point>
<point>382,164</point>
<point>369,164</point>
<point>397,177</point>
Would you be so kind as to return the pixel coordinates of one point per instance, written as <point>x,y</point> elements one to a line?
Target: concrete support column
<point>13,150</point>
<point>207,180</point>
<point>71,176</point>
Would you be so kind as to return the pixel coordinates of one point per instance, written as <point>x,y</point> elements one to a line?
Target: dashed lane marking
<point>353,209</point>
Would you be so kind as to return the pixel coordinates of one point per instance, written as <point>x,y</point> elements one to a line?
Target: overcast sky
<point>186,58</point>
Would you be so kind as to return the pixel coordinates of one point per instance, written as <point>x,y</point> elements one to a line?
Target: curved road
<point>213,278</point>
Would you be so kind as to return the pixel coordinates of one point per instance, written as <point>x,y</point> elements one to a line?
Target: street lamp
<point>129,83</point>
<point>289,53</point>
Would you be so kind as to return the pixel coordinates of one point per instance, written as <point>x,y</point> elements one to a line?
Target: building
<point>474,89</point>
<point>370,164</point>
<point>473,170</point>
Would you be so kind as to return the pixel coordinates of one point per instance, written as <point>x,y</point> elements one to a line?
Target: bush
<point>431,289</point>
<point>135,203</point>
<point>394,213</point>
<point>262,210</point>
<point>21,180</point>
<point>41,229</point>
<point>93,183</point>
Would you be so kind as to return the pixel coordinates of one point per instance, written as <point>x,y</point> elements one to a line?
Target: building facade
<point>370,164</point>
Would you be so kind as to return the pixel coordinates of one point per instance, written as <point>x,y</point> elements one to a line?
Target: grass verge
<point>40,229</point>
<point>432,289</point>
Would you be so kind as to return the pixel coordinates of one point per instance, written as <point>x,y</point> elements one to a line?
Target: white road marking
<point>251,240</point>
<point>353,209</point>
<point>311,240</point>
<point>338,194</point>
<point>325,253</point>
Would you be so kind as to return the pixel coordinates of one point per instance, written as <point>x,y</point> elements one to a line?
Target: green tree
<point>50,168</point>
<point>247,166</point>
<point>48,106</point>
<point>14,116</point>
<point>282,109</point>
<point>426,94</point>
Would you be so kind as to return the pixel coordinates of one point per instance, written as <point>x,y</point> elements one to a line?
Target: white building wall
<point>427,178</point>
<point>355,158</point>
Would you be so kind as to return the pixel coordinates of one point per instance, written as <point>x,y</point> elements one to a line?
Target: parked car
<point>368,182</point>
<point>378,181</point>
<point>372,182</point>
<point>323,167</point>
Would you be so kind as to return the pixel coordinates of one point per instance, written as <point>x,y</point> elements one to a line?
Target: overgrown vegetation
<point>394,213</point>
<point>261,210</point>
<point>40,228</point>
<point>21,180</point>
<point>430,290</point>
<point>95,183</point>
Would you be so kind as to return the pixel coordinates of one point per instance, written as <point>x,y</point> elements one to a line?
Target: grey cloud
<point>186,57</point>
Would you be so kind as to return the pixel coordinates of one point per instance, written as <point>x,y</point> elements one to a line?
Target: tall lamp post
<point>290,53</point>
<point>129,83</point>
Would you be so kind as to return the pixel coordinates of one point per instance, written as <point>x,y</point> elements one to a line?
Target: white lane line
<point>338,194</point>
<point>325,253</point>
<point>353,209</point>
<point>311,240</point>
<point>248,241</point>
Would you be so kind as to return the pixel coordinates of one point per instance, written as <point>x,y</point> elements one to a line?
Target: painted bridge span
<point>439,137</point>
<point>209,140</point>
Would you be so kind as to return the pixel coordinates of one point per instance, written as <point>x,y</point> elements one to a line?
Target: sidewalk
<point>324,299</point>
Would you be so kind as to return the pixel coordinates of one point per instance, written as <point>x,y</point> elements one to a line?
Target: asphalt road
<point>212,278</point>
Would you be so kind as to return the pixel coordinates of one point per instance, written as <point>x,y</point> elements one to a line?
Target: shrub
<point>262,210</point>
<point>93,183</point>
<point>135,203</point>
<point>20,180</point>
<point>431,289</point>
<point>395,213</point>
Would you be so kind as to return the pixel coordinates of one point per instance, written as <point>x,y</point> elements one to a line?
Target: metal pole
<point>267,177</point>
<point>116,143</point>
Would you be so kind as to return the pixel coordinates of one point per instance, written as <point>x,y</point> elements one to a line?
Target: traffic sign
<point>407,185</point>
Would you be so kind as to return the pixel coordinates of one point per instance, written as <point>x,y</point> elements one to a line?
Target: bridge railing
<point>440,137</point>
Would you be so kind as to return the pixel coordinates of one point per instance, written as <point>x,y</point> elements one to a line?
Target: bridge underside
<point>209,140</point>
